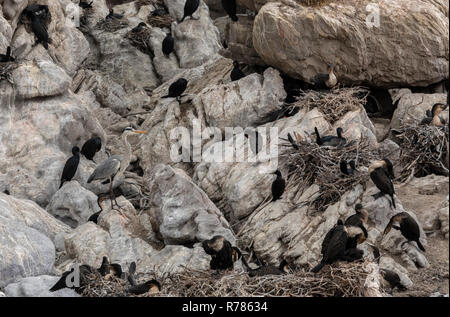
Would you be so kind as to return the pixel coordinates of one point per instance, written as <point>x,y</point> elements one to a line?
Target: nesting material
<point>335,103</point>
<point>424,150</point>
<point>314,164</point>
<point>141,40</point>
<point>341,279</point>
<point>163,21</point>
<point>111,25</point>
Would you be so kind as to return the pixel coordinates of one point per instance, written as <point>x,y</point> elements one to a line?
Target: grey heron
<point>116,164</point>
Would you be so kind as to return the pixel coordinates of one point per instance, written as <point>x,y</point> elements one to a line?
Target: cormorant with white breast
<point>382,172</point>
<point>189,8</point>
<point>236,73</point>
<point>433,116</point>
<point>278,186</point>
<point>408,227</point>
<point>176,89</point>
<point>94,217</point>
<point>230,8</point>
<point>330,140</point>
<point>5,58</point>
<point>90,147</point>
<point>221,251</point>
<point>168,45</point>
<point>327,80</point>
<point>70,168</point>
<point>116,164</point>
<point>360,218</point>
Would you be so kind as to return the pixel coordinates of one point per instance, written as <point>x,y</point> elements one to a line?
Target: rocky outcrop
<point>24,252</point>
<point>301,40</point>
<point>38,286</point>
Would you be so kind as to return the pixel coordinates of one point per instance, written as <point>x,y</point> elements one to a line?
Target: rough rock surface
<point>38,286</point>
<point>301,41</point>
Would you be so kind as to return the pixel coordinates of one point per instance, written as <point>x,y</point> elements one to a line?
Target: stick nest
<point>111,25</point>
<point>424,150</point>
<point>163,21</point>
<point>335,103</point>
<point>141,40</point>
<point>342,279</point>
<point>314,164</point>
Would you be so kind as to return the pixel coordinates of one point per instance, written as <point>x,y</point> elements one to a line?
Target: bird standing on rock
<point>90,147</point>
<point>6,58</point>
<point>177,88</point>
<point>189,8</point>
<point>381,173</point>
<point>278,186</point>
<point>168,45</point>
<point>71,166</point>
<point>230,8</point>
<point>433,116</point>
<point>408,227</point>
<point>236,73</point>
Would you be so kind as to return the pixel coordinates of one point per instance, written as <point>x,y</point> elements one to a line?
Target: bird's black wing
<point>382,180</point>
<point>336,246</point>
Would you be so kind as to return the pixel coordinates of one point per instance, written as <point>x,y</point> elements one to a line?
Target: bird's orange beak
<point>140,131</point>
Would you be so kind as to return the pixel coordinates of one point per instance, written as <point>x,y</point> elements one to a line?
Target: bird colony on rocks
<point>92,91</point>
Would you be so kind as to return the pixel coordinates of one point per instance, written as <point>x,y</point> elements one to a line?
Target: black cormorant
<point>333,246</point>
<point>84,271</point>
<point>268,269</point>
<point>293,143</point>
<point>278,186</point>
<point>236,73</point>
<point>189,8</point>
<point>85,5</point>
<point>113,15</point>
<point>151,287</point>
<point>139,27</point>
<point>324,81</point>
<point>4,58</point>
<point>168,45</point>
<point>94,217</point>
<point>382,173</point>
<point>230,8</point>
<point>90,147</point>
<point>359,218</point>
<point>70,168</point>
<point>330,140</point>
<point>177,88</point>
<point>40,30</point>
<point>221,252</point>
<point>408,227</point>
<point>355,235</point>
<point>108,269</point>
<point>393,279</point>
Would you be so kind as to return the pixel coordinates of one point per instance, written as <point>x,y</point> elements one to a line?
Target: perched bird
<point>90,147</point>
<point>94,217</point>
<point>330,140</point>
<point>5,58</point>
<point>345,170</point>
<point>78,286</point>
<point>138,28</point>
<point>269,269</point>
<point>85,5</point>
<point>325,80</point>
<point>40,30</point>
<point>221,252</point>
<point>189,8</point>
<point>113,15</point>
<point>433,116</point>
<point>278,186</point>
<point>150,287</point>
<point>393,279</point>
<point>168,45</point>
<point>110,269</point>
<point>381,173</point>
<point>408,227</point>
<point>116,164</point>
<point>159,12</point>
<point>131,271</point>
<point>236,73</point>
<point>333,246</point>
<point>177,88</point>
<point>359,218</point>
<point>284,112</point>
<point>230,8</point>
<point>70,168</point>
<point>355,235</point>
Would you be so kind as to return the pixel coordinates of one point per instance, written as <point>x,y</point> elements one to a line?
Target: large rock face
<point>301,41</point>
<point>24,252</point>
<point>183,212</point>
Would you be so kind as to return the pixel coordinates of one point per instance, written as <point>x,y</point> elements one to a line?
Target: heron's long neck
<point>127,155</point>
